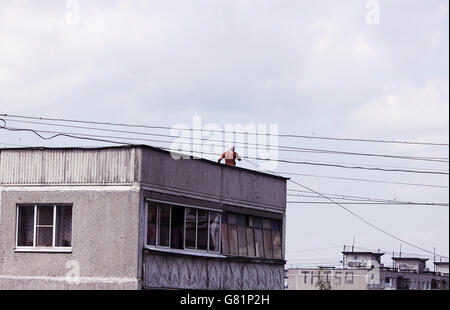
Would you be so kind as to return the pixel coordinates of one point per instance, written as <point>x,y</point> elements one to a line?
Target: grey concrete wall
<point>163,270</point>
<point>358,279</point>
<point>340,279</point>
<point>228,185</point>
<point>104,241</point>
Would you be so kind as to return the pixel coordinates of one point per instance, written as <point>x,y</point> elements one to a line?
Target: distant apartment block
<point>364,271</point>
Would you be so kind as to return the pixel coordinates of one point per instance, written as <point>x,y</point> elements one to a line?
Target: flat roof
<point>363,253</point>
<point>410,258</point>
<point>144,146</point>
<point>440,263</point>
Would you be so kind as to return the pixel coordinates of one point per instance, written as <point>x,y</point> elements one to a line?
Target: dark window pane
<point>276,236</point>
<point>231,218</point>
<point>267,224</point>
<point>259,245</point>
<point>242,240</point>
<point>26,226</point>
<point>191,228</point>
<point>251,220</point>
<point>268,243</point>
<point>44,236</point>
<point>241,220</point>
<point>257,222</point>
<point>224,218</point>
<point>225,243</point>
<point>45,215</point>
<point>177,227</point>
<point>202,230</point>
<point>214,231</point>
<point>232,233</point>
<point>164,221</point>
<point>276,225</point>
<point>250,242</point>
<point>151,223</point>
<point>63,226</point>
<point>276,239</point>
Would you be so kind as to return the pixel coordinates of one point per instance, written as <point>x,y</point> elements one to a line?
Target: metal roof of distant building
<point>362,253</point>
<point>410,258</point>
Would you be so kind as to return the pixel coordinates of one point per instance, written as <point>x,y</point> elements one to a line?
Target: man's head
<point>232,148</point>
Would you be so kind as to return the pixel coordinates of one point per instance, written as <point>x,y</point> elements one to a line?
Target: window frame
<point>219,252</point>
<point>34,247</point>
<point>262,231</point>
<point>188,251</point>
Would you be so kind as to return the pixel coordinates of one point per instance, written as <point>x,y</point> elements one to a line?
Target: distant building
<point>132,217</point>
<point>364,271</point>
<point>441,267</point>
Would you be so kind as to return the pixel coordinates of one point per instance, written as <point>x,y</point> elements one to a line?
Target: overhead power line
<point>361,180</point>
<point>323,176</point>
<point>223,131</point>
<point>373,203</point>
<point>290,180</point>
<point>364,202</point>
<point>390,251</point>
<point>268,146</point>
<point>328,165</point>
<point>359,217</point>
<point>301,193</point>
<point>84,136</point>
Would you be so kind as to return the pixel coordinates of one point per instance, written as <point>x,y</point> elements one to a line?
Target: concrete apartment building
<point>364,271</point>
<point>132,217</point>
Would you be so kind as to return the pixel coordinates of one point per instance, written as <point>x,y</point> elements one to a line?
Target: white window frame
<point>36,248</point>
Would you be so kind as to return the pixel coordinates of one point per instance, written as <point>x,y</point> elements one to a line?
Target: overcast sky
<point>312,67</point>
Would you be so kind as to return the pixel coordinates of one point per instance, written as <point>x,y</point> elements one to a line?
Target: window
<point>233,235</point>
<point>177,228</point>
<point>202,229</point>
<point>191,229</point>
<point>164,225</point>
<point>388,282</point>
<point>276,239</point>
<point>151,224</point>
<point>26,226</point>
<point>214,231</point>
<point>251,236</point>
<point>242,235</point>
<point>258,237</point>
<point>180,228</point>
<point>232,238</point>
<point>196,229</point>
<point>225,244</point>
<point>44,226</point>
<point>267,233</point>
<point>63,227</point>
<point>250,241</point>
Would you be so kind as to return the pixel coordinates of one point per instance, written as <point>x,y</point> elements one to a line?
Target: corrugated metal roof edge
<point>140,146</point>
<point>363,253</point>
<point>410,258</point>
